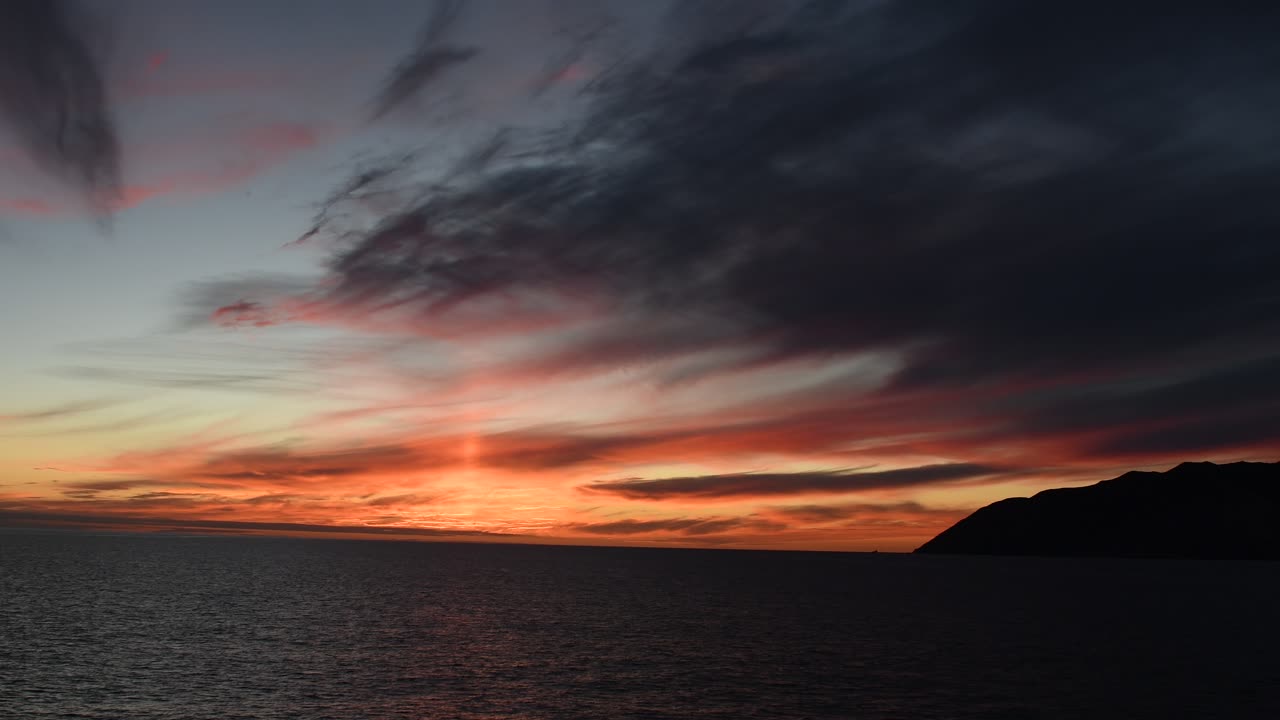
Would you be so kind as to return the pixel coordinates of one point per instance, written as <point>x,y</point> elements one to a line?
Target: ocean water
<point>143,627</point>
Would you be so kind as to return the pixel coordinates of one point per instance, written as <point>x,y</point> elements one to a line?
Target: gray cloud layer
<point>1057,193</point>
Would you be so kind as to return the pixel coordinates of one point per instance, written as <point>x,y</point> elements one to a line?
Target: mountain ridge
<point>1194,510</point>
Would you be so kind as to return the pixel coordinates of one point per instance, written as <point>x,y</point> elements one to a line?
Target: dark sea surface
<point>173,627</point>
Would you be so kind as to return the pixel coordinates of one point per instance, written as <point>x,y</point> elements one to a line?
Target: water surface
<point>152,627</point>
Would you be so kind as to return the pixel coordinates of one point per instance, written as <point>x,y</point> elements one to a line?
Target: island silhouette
<point>1195,510</point>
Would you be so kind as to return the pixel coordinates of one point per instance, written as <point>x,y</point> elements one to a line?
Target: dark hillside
<point>1199,510</point>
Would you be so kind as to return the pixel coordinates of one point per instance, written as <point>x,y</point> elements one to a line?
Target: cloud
<point>211,461</point>
<point>242,313</point>
<point>983,243</point>
<point>429,59</point>
<point>157,60</point>
<point>406,499</point>
<point>28,206</point>
<point>221,159</point>
<point>103,485</point>
<point>319,465</point>
<point>53,95</point>
<point>57,412</point>
<point>268,381</point>
<point>681,526</point>
<point>205,163</point>
<point>891,513</point>
<point>19,518</point>
<point>797,483</point>
<point>941,182</point>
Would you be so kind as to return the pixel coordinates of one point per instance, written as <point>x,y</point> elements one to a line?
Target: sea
<point>152,627</point>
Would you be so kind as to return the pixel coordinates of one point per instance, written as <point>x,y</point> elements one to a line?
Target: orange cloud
<point>771,455</point>
<point>526,482</point>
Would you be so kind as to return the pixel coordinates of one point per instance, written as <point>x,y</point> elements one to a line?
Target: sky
<point>796,275</point>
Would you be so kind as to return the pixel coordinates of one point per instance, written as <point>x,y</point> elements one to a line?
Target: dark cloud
<point>53,94</point>
<point>430,58</point>
<point>1166,410</point>
<point>1238,431</point>
<point>682,526</point>
<point>282,465</point>
<point>81,494</point>
<point>890,512</point>
<point>930,181</point>
<point>273,499</point>
<point>106,485</point>
<point>533,450</point>
<point>1060,194</point>
<point>164,497</point>
<point>411,499</point>
<point>798,483</point>
<point>89,493</point>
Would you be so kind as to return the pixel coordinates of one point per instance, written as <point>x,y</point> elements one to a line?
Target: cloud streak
<point>208,163</point>
<point>16,518</point>
<point>681,526</point>
<point>429,59</point>
<point>799,483</point>
<point>53,95</point>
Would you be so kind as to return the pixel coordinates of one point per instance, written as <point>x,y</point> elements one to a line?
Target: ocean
<point>152,627</point>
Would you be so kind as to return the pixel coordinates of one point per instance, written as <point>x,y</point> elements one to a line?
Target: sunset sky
<point>803,275</point>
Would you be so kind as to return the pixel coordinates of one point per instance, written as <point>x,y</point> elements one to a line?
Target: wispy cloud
<point>11,518</point>
<point>681,526</point>
<point>798,483</point>
<point>432,56</point>
<point>53,94</point>
<point>206,163</point>
<point>899,513</point>
<point>57,412</point>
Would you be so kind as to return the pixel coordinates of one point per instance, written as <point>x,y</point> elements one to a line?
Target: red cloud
<point>157,60</point>
<point>27,206</point>
<point>242,313</point>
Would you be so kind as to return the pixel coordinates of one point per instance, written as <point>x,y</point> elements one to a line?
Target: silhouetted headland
<point>1195,510</point>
